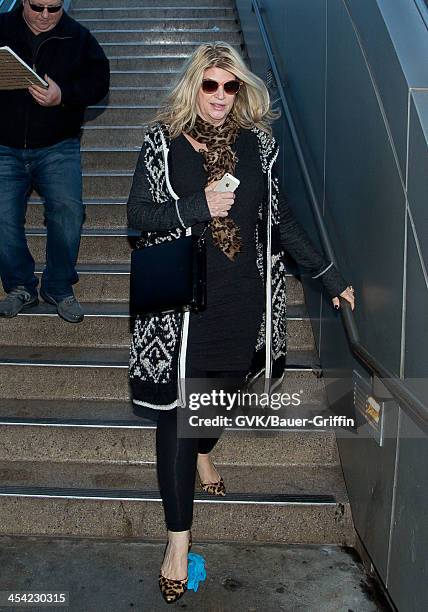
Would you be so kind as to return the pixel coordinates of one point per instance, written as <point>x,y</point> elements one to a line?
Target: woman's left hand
<point>348,294</point>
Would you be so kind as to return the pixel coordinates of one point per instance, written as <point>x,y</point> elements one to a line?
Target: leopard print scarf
<point>217,160</point>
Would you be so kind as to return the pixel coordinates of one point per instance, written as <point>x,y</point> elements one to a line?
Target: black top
<point>34,41</point>
<point>224,335</point>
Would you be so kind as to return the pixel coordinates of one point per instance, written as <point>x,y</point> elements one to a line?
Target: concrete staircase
<point>74,459</point>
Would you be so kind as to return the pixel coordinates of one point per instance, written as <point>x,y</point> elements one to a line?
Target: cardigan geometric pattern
<point>157,340</point>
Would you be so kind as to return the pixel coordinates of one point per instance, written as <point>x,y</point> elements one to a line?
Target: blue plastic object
<point>195,571</point>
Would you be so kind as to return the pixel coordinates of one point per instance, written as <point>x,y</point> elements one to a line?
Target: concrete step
<point>114,445</point>
<point>114,158</point>
<point>142,49</point>
<point>100,213</point>
<point>103,4</point>
<point>99,283</point>
<point>135,95</point>
<point>137,36</point>
<point>120,114</point>
<point>296,480</point>
<point>66,373</point>
<point>110,282</point>
<point>114,183</point>
<point>121,413</point>
<point>112,135</point>
<point>276,519</point>
<point>107,324</point>
<point>142,78</point>
<point>162,24</point>
<point>153,12</point>
<point>97,246</point>
<point>44,494</point>
<point>163,63</point>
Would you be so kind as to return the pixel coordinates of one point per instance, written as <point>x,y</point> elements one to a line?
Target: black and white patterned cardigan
<point>157,366</point>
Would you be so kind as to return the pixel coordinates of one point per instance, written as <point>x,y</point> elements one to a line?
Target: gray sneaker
<point>16,300</point>
<point>68,308</point>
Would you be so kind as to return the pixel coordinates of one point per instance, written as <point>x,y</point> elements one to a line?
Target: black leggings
<point>176,459</point>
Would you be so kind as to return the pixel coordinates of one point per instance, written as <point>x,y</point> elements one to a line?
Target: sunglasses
<point>230,87</point>
<point>39,9</point>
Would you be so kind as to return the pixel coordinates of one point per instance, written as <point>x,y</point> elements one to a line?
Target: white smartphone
<point>227,183</point>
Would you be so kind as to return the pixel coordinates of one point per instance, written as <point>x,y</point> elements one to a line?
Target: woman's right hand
<point>219,203</point>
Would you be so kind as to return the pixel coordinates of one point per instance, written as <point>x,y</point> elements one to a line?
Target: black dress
<point>224,335</point>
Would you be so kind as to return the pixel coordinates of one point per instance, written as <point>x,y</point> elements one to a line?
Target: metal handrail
<point>398,389</point>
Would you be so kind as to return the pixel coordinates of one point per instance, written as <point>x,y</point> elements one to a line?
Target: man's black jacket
<point>70,56</point>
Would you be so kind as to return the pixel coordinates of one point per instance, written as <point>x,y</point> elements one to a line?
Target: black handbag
<point>171,276</point>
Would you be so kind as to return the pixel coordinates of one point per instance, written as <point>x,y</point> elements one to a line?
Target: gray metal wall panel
<point>416,331</point>
<point>408,572</point>
<point>363,191</point>
<point>305,74</point>
<point>386,69</point>
<point>409,33</point>
<point>417,187</point>
<point>416,353</point>
<point>370,479</point>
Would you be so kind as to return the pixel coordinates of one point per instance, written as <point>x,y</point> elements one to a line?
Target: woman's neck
<point>195,144</point>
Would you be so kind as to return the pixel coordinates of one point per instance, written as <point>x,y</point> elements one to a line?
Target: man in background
<point>40,149</point>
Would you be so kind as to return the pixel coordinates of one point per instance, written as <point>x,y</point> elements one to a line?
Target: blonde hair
<point>252,103</point>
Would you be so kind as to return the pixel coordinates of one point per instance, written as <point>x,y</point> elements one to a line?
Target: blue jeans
<point>55,172</point>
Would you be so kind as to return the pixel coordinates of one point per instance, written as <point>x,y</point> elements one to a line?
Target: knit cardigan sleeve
<point>297,243</point>
<point>145,214</point>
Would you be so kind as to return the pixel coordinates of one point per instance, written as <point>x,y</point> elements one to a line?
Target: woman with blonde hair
<point>215,120</point>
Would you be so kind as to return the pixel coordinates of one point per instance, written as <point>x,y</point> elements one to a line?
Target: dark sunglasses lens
<point>209,86</point>
<point>232,87</point>
<point>39,9</point>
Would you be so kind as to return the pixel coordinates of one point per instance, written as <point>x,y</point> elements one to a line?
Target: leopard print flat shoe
<point>214,488</point>
<point>172,590</point>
